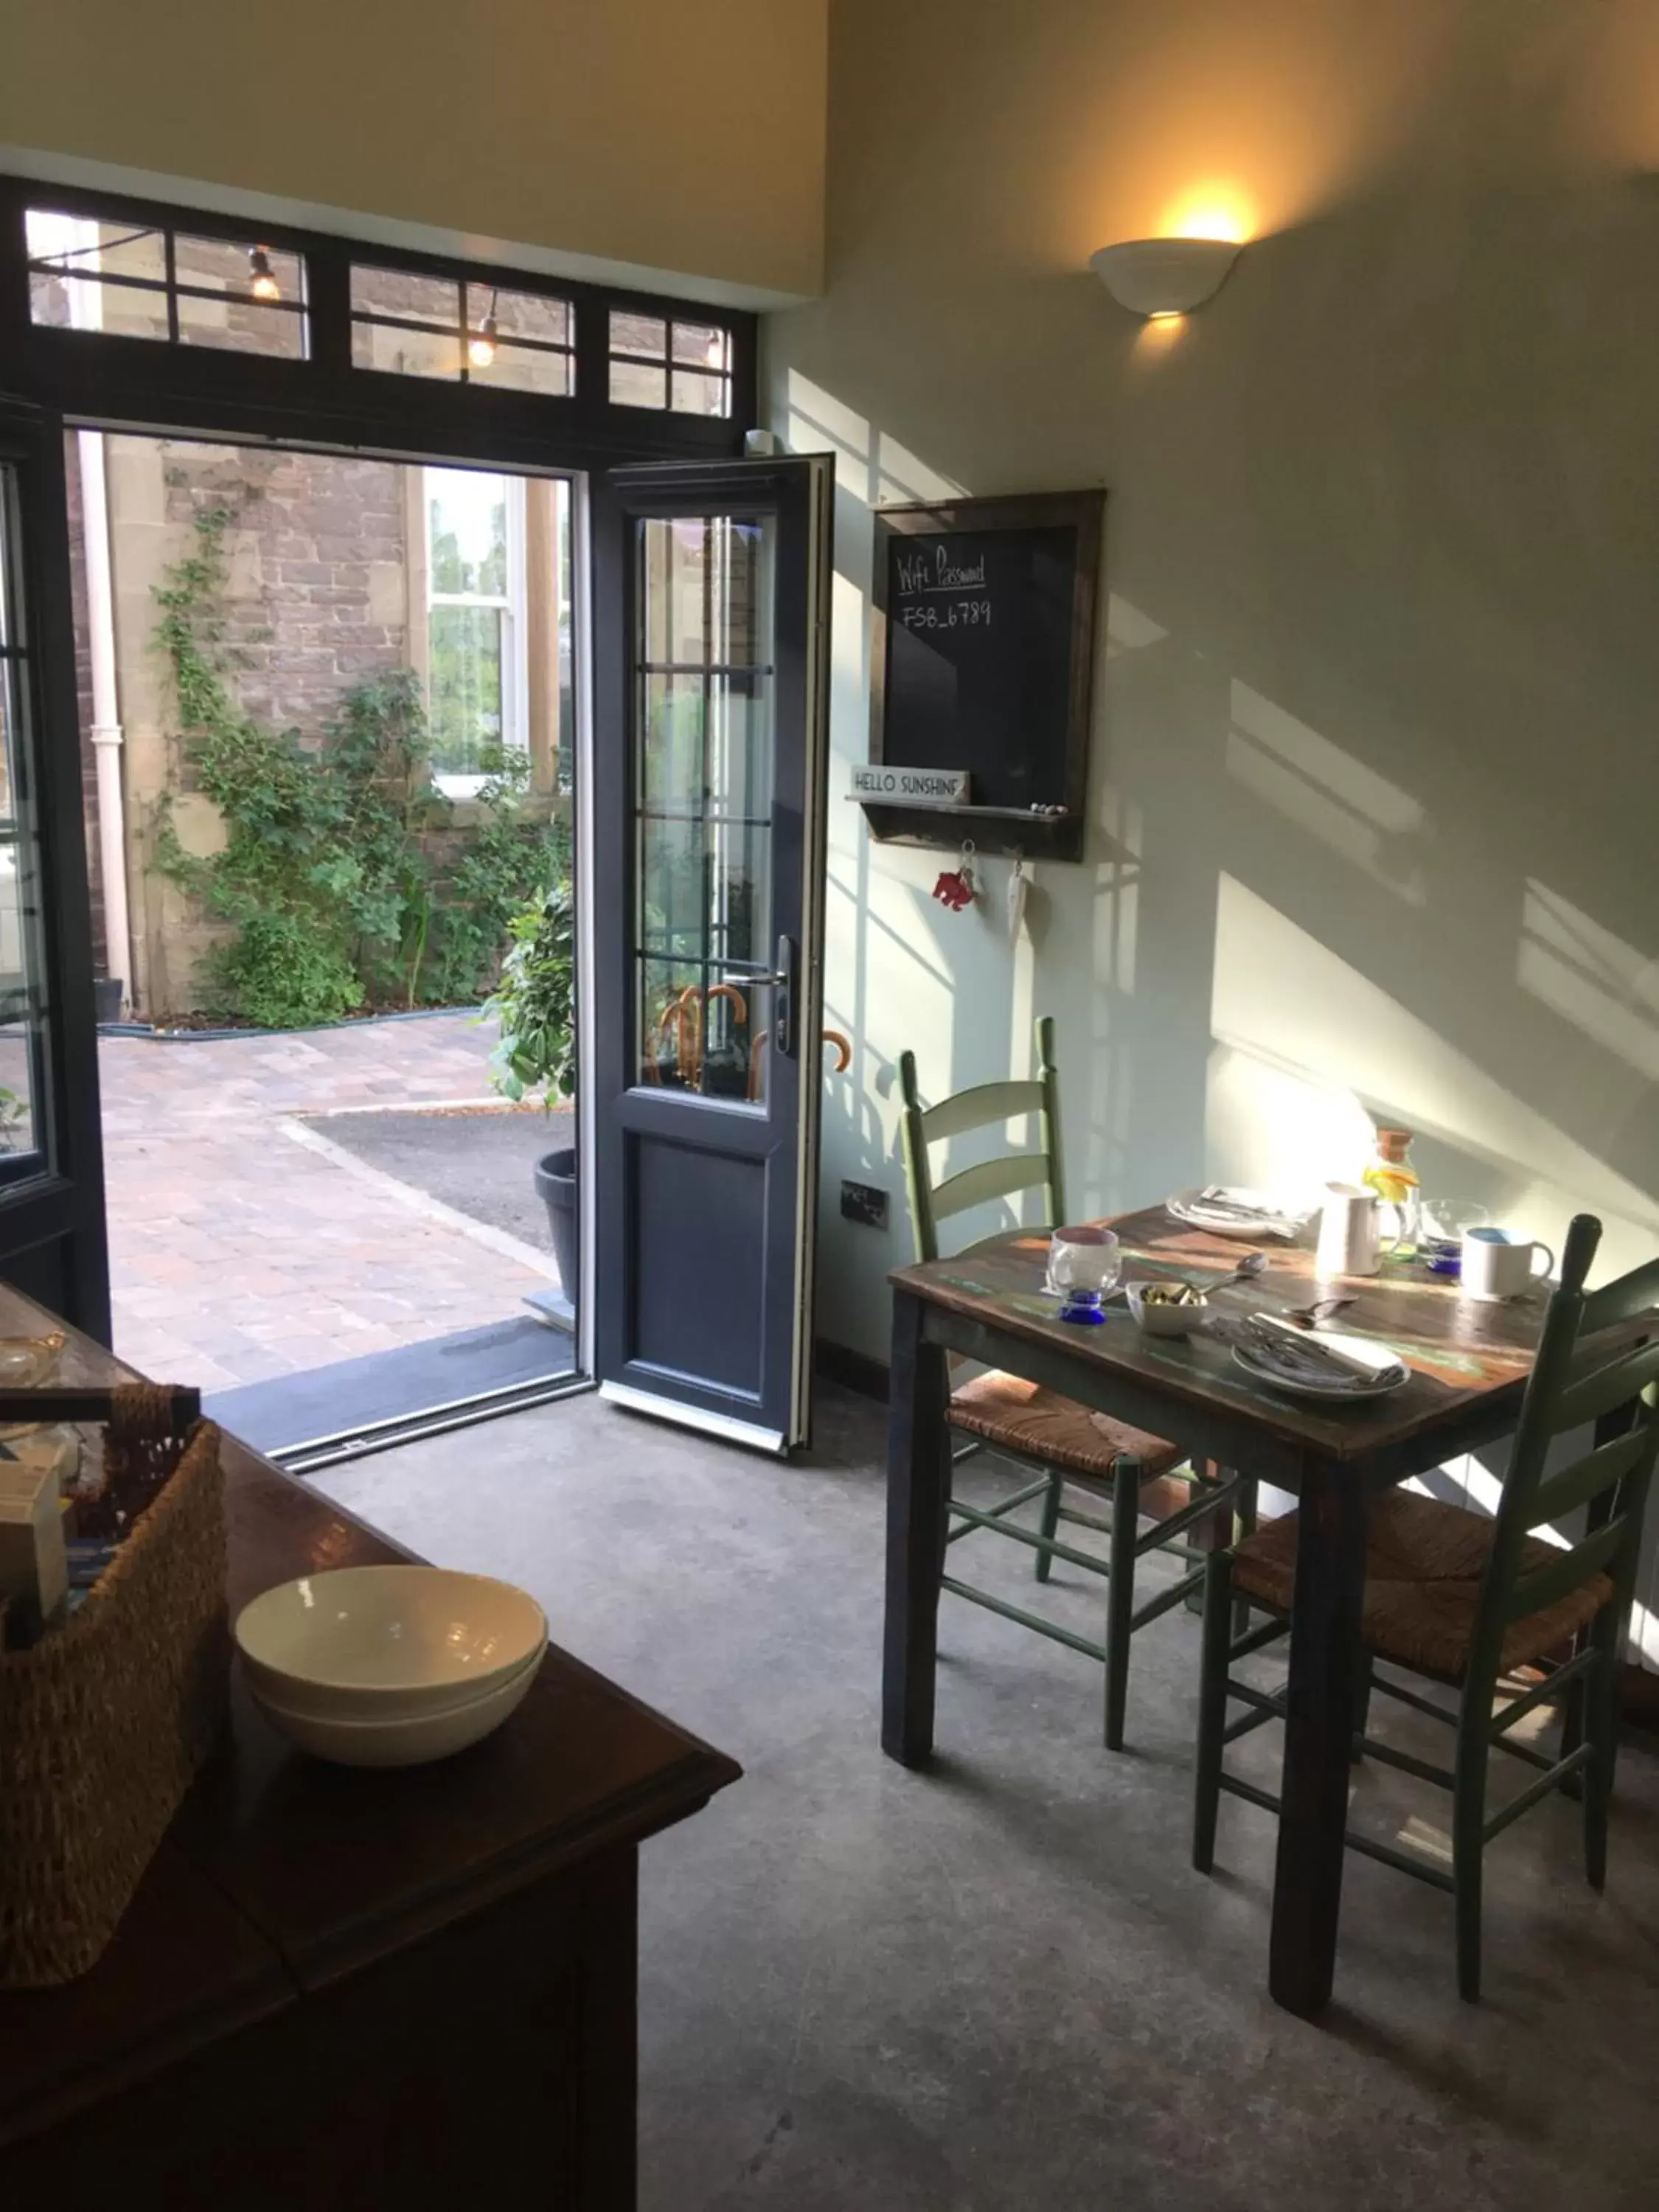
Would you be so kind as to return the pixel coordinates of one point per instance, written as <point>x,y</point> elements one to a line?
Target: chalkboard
<point>982,659</point>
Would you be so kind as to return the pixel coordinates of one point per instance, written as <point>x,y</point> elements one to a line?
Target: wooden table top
<point>280,1872</point>
<point>1461,1353</point>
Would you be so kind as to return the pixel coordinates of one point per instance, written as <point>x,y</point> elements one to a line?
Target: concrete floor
<point>1000,1985</point>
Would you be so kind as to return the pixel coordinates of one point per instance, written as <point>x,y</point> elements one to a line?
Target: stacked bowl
<point>390,1666</point>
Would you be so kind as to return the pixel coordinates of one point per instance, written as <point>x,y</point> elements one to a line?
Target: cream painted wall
<point>1373,778</point>
<point>640,131</point>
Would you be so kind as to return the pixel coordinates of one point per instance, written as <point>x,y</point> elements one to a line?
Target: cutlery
<point>1305,1359</point>
<point>1248,1267</point>
<point>1307,1316</point>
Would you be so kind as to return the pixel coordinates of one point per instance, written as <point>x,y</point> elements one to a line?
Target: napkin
<point>1216,1208</point>
<point>1301,1357</point>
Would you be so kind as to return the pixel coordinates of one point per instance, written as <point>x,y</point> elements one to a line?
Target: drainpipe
<point>107,738</point>
<point>80,237</point>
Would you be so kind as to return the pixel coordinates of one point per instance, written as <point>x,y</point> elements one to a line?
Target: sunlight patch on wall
<point>1590,978</point>
<point>1358,814</point>
<point>1288,1015</point>
<point>846,676</point>
<point>1128,629</point>
<point>901,474</point>
<point>874,467</point>
<point>818,423</point>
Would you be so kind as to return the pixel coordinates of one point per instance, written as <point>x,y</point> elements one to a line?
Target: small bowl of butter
<point>1166,1308</point>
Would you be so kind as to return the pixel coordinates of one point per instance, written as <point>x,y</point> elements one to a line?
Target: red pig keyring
<point>955,888</point>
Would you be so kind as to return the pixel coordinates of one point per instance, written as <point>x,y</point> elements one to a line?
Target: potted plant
<point>534,1004</point>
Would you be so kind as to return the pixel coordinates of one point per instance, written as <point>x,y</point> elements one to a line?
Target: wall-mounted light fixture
<point>1164,276</point>
<point>262,278</point>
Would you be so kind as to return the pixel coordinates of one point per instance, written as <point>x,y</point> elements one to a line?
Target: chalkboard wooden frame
<point>1053,837</point>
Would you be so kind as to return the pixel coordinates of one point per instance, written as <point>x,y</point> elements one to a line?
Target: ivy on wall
<point>347,884</point>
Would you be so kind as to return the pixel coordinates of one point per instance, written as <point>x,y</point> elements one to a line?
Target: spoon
<point>1248,1267</point>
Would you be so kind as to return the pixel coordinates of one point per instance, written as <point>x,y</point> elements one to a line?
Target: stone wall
<point>316,600</point>
<point>325,589</point>
<point>318,593</point>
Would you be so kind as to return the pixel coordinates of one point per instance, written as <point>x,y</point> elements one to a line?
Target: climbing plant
<point>339,887</point>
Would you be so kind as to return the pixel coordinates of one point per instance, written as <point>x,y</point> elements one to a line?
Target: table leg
<point>1333,1508</point>
<point>918,1487</point>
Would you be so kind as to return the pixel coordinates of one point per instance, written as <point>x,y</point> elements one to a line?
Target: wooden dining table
<point>1466,1364</point>
<point>342,1987</point>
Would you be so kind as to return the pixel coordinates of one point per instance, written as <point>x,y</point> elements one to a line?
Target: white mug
<point>1347,1231</point>
<point>1497,1264</point>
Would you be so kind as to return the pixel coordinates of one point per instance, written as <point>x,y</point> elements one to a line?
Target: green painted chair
<point>1466,1600</point>
<point>1060,1442</point>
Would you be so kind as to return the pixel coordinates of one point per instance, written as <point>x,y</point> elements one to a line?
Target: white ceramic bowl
<point>386,1644</point>
<point>1159,1319</point>
<point>406,1741</point>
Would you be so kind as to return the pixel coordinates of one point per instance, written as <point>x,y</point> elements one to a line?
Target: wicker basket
<point>105,1721</point>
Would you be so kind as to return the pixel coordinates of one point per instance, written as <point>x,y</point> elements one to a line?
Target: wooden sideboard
<point>337,1987</point>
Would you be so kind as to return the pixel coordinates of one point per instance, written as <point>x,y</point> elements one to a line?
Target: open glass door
<point>711,641</point>
<point>51,1209</point>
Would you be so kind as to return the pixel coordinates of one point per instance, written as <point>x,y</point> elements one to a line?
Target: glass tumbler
<point>1082,1267</point>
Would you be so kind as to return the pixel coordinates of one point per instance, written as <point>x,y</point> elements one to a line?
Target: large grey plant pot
<point>555,1183</point>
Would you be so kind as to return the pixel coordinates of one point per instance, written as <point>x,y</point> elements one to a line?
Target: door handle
<point>783,1020</point>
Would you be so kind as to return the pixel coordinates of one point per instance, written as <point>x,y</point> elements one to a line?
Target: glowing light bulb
<point>264,285</point>
<point>1211,210</point>
<point>480,343</point>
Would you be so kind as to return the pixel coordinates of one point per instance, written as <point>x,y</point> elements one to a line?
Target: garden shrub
<point>335,902</point>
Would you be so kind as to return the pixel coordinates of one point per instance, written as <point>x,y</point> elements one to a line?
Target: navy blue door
<point>51,1199</point>
<point>711,639</point>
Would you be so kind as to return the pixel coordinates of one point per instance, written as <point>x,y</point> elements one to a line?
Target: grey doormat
<point>354,1394</point>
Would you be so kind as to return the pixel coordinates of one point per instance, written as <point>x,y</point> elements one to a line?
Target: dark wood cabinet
<point>333,1985</point>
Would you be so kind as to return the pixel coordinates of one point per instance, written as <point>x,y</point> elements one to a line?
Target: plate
<point>1285,1220</point>
<point>1391,1374</point>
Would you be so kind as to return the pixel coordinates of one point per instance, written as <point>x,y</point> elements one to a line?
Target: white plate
<point>1187,1206</point>
<point>1391,1374</point>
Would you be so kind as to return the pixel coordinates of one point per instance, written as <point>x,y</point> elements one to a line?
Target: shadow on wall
<point>1373,775</point>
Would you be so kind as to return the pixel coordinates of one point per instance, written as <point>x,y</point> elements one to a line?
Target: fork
<point>1308,1315</point>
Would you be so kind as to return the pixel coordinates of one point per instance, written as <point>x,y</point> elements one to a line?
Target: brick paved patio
<point>238,1252</point>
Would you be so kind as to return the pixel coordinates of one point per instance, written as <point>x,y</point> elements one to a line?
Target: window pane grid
<point>70,288</point>
<point>185,289</point>
<point>165,280</point>
<point>438,330</point>
<point>703,819</point>
<point>668,365</point>
<point>477,333</point>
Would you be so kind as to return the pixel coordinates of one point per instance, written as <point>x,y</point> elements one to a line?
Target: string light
<point>264,285</point>
<point>481,346</point>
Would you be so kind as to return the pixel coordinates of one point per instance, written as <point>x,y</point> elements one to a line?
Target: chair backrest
<point>1579,1377</point>
<point>987,1104</point>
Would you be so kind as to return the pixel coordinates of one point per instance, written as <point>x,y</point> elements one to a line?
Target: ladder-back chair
<point>1059,1442</point>
<point>1468,1600</point>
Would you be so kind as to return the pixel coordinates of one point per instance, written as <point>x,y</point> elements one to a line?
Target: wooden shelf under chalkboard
<point>960,807</point>
<point>994,830</point>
